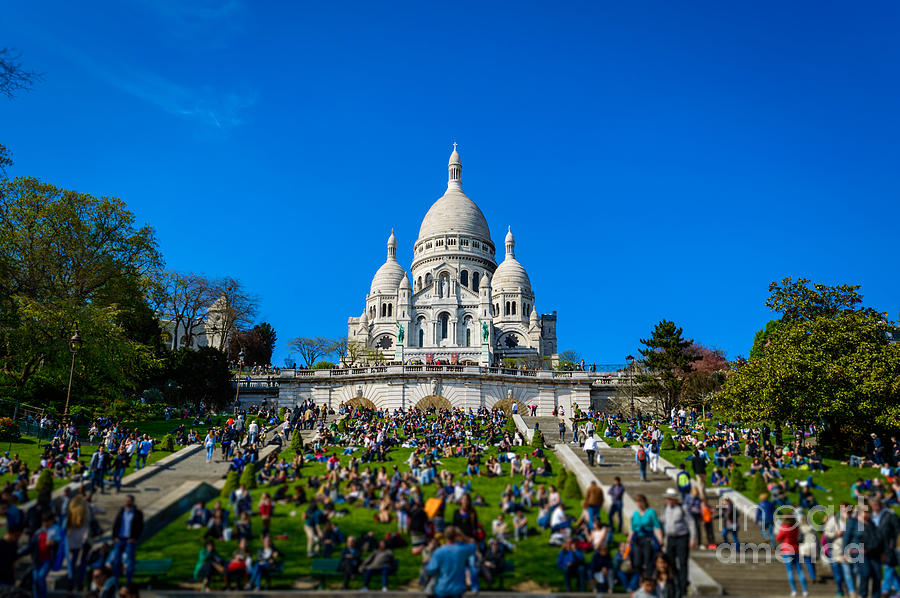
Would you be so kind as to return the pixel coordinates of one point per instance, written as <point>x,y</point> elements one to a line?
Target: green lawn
<point>534,559</point>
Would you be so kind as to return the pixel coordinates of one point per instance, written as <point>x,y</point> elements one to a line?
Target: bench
<point>152,568</point>
<point>323,568</point>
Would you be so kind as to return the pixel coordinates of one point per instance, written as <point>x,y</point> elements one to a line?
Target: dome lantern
<point>510,243</point>
<point>392,247</point>
<point>454,168</point>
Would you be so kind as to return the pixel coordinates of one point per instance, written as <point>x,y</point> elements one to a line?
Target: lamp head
<point>75,342</point>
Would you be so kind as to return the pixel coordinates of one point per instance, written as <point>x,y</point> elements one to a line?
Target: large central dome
<point>454,213</point>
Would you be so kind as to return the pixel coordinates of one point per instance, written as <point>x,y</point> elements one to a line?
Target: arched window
<point>496,309</point>
<point>468,337</point>
<point>445,324</point>
<point>390,309</point>
<point>506,313</point>
<point>383,309</point>
<point>421,327</point>
<point>514,308</point>
<point>464,278</point>
<point>476,280</point>
<point>418,284</point>
<point>428,279</point>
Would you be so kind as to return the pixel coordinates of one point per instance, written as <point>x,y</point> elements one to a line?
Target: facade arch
<point>505,404</point>
<point>436,402</point>
<point>476,281</point>
<point>361,402</point>
<point>464,278</point>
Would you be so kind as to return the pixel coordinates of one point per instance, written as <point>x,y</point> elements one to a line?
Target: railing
<point>599,378</point>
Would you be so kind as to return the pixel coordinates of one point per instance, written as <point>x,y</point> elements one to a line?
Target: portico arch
<point>506,404</point>
<point>434,401</point>
<point>361,402</point>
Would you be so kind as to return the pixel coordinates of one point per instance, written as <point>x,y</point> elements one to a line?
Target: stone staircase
<point>739,573</point>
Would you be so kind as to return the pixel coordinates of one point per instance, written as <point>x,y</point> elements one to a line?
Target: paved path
<point>743,576</point>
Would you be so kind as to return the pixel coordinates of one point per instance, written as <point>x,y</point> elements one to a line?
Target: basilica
<point>456,305</point>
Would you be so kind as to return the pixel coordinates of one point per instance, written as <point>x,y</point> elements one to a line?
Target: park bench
<point>323,568</point>
<point>152,568</point>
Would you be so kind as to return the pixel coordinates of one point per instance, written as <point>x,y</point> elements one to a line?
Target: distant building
<point>207,333</point>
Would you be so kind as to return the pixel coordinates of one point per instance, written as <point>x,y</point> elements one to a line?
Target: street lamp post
<point>74,344</point>
<point>630,360</point>
<point>237,392</point>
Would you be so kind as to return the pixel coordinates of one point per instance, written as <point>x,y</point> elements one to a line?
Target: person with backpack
<point>680,536</point>
<point>590,449</point>
<point>640,457</point>
<point>698,461</point>
<point>683,480</point>
<point>653,452</point>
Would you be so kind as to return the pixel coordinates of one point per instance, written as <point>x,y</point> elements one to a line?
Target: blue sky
<point>654,159</point>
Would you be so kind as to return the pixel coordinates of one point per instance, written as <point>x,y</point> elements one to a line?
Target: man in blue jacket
<point>449,563</point>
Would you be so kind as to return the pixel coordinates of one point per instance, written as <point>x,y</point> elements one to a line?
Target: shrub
<point>561,477</point>
<point>322,365</point>
<point>44,482</point>
<point>342,425</point>
<point>297,442</point>
<point>281,413</point>
<point>248,477</point>
<point>572,489</point>
<point>9,430</point>
<point>537,441</point>
<point>759,484</point>
<point>738,480</point>
<point>668,443</point>
<point>167,444</point>
<point>231,484</point>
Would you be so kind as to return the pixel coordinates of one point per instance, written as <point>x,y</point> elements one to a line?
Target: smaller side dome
<point>404,284</point>
<point>387,279</point>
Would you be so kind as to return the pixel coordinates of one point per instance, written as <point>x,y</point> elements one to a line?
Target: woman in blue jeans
<point>788,537</point>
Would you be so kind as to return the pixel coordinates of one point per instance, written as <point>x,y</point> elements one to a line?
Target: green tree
<point>761,339</point>
<point>668,360</point>
<point>44,482</point>
<point>257,344</point>
<point>69,259</point>
<point>828,360</point>
<point>297,442</point>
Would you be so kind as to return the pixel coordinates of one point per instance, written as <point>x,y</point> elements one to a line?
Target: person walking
<point>699,459</point>
<point>210,444</point>
<point>653,452</point>
<point>833,550</point>
<point>44,544</point>
<point>590,449</point>
<point>449,564</point>
<point>888,526</point>
<point>562,429</point>
<point>252,432</point>
<point>120,464</point>
<point>145,446</point>
<point>788,538</point>
<point>640,457</point>
<point>645,537</point>
<point>593,502</point>
<point>127,529</point>
<point>863,545</point>
<point>98,466</point>
<point>78,539</point>
<point>681,537</point>
<point>765,517</point>
<point>616,492</point>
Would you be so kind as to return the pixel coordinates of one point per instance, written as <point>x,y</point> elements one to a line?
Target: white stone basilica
<point>461,307</point>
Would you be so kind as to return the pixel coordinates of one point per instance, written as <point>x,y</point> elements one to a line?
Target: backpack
<point>641,454</point>
<point>683,480</point>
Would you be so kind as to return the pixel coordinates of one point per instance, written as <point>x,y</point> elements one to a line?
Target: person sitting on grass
<point>494,561</point>
<point>266,562</point>
<point>243,528</point>
<point>520,526</point>
<point>209,563</point>
<point>199,516</point>
<point>571,561</point>
<point>380,561</point>
<point>600,570</point>
<point>239,566</point>
<point>718,478</point>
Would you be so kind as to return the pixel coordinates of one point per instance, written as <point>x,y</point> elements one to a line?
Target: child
<point>647,588</point>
